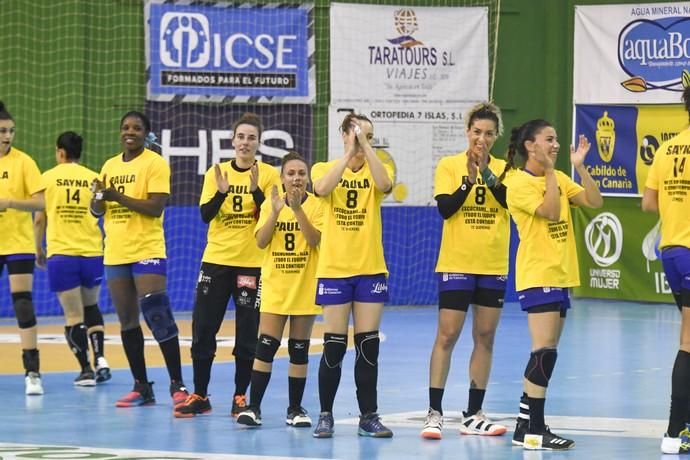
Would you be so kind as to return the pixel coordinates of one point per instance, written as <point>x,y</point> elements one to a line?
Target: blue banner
<point>243,54</point>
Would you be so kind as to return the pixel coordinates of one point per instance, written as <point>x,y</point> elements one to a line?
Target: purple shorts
<point>362,288</point>
<point>143,267</point>
<point>468,282</point>
<point>68,272</point>
<point>676,262</point>
<point>544,296</point>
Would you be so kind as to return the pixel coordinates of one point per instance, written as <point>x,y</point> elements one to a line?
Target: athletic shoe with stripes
<point>86,379</point>
<point>324,427</point>
<point>251,416</point>
<point>194,405</point>
<point>370,425</point>
<point>679,445</point>
<point>433,425</point>
<point>546,440</point>
<point>298,417</point>
<point>480,424</point>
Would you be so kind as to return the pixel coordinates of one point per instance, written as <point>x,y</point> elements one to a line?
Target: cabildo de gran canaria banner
<point>624,140</point>
<point>631,54</point>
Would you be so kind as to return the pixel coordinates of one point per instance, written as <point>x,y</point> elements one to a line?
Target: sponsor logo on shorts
<point>454,277</point>
<point>243,298</point>
<point>246,281</point>
<point>150,262</point>
<point>379,288</point>
<point>203,278</point>
<point>323,290</point>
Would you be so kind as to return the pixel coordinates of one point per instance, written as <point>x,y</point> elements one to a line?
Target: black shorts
<point>18,264</point>
<point>461,299</point>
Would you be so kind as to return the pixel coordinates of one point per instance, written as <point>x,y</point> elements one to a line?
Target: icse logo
<point>185,40</point>
<point>604,239</point>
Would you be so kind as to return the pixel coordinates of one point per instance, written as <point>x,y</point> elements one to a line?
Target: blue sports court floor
<point>610,392</point>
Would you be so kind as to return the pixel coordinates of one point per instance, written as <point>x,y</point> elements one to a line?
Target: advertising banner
<point>631,54</point>
<point>624,140</point>
<point>193,137</point>
<point>412,141</point>
<point>252,54</point>
<point>409,56</point>
<point>618,253</point>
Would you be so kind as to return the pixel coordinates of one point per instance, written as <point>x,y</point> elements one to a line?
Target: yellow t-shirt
<point>546,255</point>
<point>20,178</point>
<point>288,272</point>
<point>476,238</point>
<point>72,230</point>
<point>231,232</point>
<point>131,236</point>
<point>351,239</point>
<point>670,177</point>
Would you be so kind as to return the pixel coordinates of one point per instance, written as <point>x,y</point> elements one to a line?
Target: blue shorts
<point>362,288</point>
<point>69,272</point>
<point>544,299</point>
<point>18,264</point>
<point>676,262</point>
<point>143,267</point>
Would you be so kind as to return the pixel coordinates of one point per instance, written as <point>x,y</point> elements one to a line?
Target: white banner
<point>631,54</point>
<point>412,141</point>
<point>408,56</point>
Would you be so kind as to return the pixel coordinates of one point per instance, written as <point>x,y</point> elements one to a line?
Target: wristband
<point>489,177</point>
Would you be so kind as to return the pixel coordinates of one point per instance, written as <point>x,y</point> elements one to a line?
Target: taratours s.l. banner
<point>618,253</point>
<point>410,56</point>
<point>405,68</point>
<point>624,140</point>
<point>220,53</point>
<point>631,54</point>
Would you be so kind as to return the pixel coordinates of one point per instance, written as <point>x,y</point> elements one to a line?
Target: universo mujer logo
<point>655,54</point>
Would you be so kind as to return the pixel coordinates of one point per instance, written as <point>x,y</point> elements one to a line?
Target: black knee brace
<point>24,309</point>
<point>159,317</point>
<point>266,348</point>
<point>367,347</point>
<point>299,351</point>
<point>540,366</point>
<point>334,348</point>
<point>31,360</point>
<point>92,316</point>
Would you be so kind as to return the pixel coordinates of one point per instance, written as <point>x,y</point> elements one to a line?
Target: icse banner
<point>631,54</point>
<point>221,53</point>
<point>408,56</point>
<point>624,140</point>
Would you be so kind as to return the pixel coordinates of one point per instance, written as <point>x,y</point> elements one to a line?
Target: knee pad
<point>299,351</point>
<point>540,366</point>
<point>24,309</point>
<point>334,348</point>
<point>159,317</point>
<point>367,347</point>
<point>93,317</point>
<point>266,348</point>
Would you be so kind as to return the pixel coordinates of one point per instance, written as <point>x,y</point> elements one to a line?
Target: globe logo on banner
<point>655,54</point>
<point>606,137</point>
<point>405,25</point>
<point>604,239</point>
<point>184,40</point>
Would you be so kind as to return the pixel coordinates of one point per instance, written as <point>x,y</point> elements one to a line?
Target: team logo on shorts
<point>246,281</point>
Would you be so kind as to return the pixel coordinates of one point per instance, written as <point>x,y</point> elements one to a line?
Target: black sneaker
<point>521,428</point>
<point>298,417</point>
<point>194,405</point>
<point>86,379</point>
<point>370,425</point>
<point>546,440</point>
<point>239,405</point>
<point>251,416</point>
<point>324,427</point>
<point>102,370</point>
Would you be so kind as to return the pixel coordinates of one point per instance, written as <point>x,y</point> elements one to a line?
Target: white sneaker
<point>679,445</point>
<point>433,425</point>
<point>480,424</point>
<point>102,370</point>
<point>33,384</point>
<point>298,417</point>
